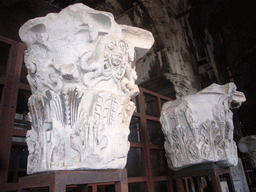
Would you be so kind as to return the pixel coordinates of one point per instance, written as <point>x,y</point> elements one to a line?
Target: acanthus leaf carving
<point>199,128</point>
<point>81,70</point>
<point>71,131</point>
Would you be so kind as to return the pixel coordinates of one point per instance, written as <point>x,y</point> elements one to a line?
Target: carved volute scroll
<point>199,128</point>
<point>81,69</point>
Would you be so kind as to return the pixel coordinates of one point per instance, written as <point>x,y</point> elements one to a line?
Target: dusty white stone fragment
<point>81,71</point>
<point>248,145</point>
<point>199,128</point>
<point>238,177</point>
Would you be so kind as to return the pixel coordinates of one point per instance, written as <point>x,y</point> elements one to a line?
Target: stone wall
<point>170,56</point>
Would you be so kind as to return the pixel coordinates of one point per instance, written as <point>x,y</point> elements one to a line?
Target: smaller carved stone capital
<point>199,128</point>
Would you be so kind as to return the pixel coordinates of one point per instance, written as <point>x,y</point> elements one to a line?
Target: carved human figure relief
<point>199,128</point>
<point>81,69</point>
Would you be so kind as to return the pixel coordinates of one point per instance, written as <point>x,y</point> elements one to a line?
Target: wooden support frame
<point>148,177</point>
<point>210,171</point>
<point>8,104</point>
<point>58,180</point>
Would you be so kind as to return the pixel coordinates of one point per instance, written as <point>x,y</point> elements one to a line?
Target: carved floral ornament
<point>199,128</point>
<point>81,69</point>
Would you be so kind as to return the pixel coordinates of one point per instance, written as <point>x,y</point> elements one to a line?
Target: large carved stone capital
<point>199,128</point>
<point>82,75</point>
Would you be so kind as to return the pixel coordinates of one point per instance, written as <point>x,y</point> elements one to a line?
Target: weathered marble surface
<point>199,128</point>
<point>81,69</point>
<point>239,178</point>
<point>248,145</point>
